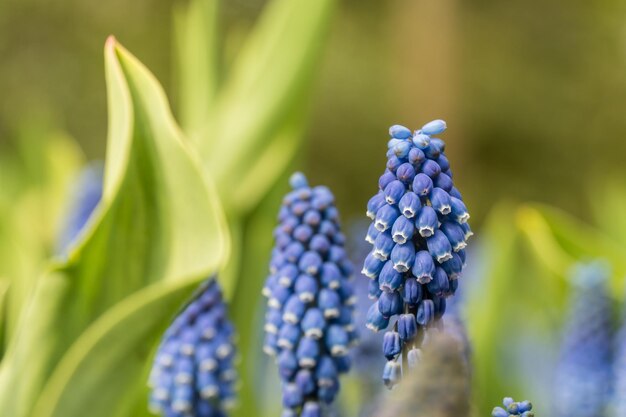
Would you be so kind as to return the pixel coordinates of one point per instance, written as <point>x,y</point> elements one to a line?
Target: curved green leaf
<point>159,220</point>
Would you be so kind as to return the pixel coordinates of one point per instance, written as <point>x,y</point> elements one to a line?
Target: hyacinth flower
<point>619,371</point>
<point>309,321</point>
<point>583,373</point>
<point>193,374</point>
<point>513,408</point>
<point>418,235</point>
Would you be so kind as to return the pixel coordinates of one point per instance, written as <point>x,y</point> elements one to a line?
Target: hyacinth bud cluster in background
<point>418,235</point>
<point>309,321</point>
<point>583,373</point>
<point>193,373</point>
<point>618,404</point>
<point>513,408</point>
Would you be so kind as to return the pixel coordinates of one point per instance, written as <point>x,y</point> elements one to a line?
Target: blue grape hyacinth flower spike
<point>309,322</point>
<point>193,374</point>
<point>513,408</point>
<point>419,233</point>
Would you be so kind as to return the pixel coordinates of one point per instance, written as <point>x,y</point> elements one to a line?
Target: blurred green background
<point>533,92</point>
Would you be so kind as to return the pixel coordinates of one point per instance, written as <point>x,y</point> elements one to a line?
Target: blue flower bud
<point>375,203</point>
<point>385,179</point>
<point>383,246</point>
<point>422,185</point>
<point>443,162</point>
<point>439,302</point>
<point>524,406</point>
<point>372,233</point>
<point>303,233</point>
<point>279,297</point>
<point>390,145</point>
<point>385,217</point>
<point>312,218</point>
<point>439,284</point>
<point>298,180</point>
<point>423,267</point>
<point>390,304</point>
<point>458,210</point>
<point>453,267</point>
<point>310,262</point>
<point>326,371</point>
<point>455,234</point>
<point>413,357</point>
<point>435,127</point>
<point>405,173</point>
<point>372,266</point>
<point>402,230</point>
<point>411,292</point>
<point>328,393</point>
<point>287,364</point>
<point>416,157</point>
<point>409,205</point>
<point>444,182</point>
<point>288,336</point>
<point>427,221</point>
<point>390,279</point>
<point>311,409</point>
<point>439,246</point>
<point>375,321</point>
<point>287,275</point>
<point>273,319</point>
<point>373,290</point>
<point>401,150</point>
<point>313,323</point>
<point>299,208</point>
<point>319,243</point>
<point>425,312</point>
<point>403,256</point>
<point>292,396</point>
<point>329,302</point>
<point>399,132</point>
<point>293,251</point>
<point>431,168</point>
<point>391,345</point>
<point>293,310</point>
<point>270,344</point>
<point>308,352</point>
<point>421,141</point>
<point>499,412</point>
<point>393,163</point>
<point>392,374</point>
<point>305,380</point>
<point>306,287</point>
<point>330,275</point>
<point>440,200</point>
<point>337,340</point>
<point>407,327</point>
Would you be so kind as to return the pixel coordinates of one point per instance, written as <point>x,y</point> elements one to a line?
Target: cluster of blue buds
<point>583,372</point>
<point>309,323</point>
<point>513,408</point>
<point>193,374</point>
<point>418,233</point>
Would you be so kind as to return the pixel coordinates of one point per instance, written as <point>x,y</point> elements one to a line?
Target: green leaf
<point>269,82</point>
<point>159,221</point>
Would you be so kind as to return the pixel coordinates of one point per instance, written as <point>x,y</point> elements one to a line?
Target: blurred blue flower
<point>309,321</point>
<point>619,371</point>
<point>583,373</point>
<point>513,408</point>
<point>193,374</point>
<point>419,232</point>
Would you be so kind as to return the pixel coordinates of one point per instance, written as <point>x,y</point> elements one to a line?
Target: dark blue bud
<point>458,210</point>
<point>308,352</point>
<point>184,371</point>
<point>434,128</point>
<point>288,336</point>
<point>443,162</point>
<point>390,304</point>
<point>372,266</point>
<point>306,287</point>
<point>278,260</point>
<point>440,144</point>
<point>402,256</point>
<point>461,254</point>
<point>337,340</point>
<point>440,306</point>
<point>413,356</point>
<point>273,319</point>
<point>326,371</point>
<point>412,291</point>
<point>454,285</point>
<point>376,321</point>
<point>372,233</point>
<point>423,267</point>
<point>312,218</point>
<point>293,251</point>
<point>279,296</point>
<point>422,184</point>
<point>439,246</point>
<point>402,230</point>
<point>454,192</point>
<point>393,163</point>
<point>345,318</point>
<point>339,239</point>
<point>329,302</point>
<point>421,141</point>
<point>303,233</point>
<point>407,327</point>
<point>322,198</point>
<point>182,400</point>
<point>343,363</point>
<point>390,279</point>
<point>401,150</point>
<point>409,204</point>
<point>311,409</point>
<point>467,230</point>
<point>287,275</point>
<point>453,267</point>
<point>524,406</point>
<point>346,293</point>
<point>305,380</point>
<point>385,179</point>
<point>444,182</point>
<point>434,150</point>
<point>298,180</point>
<point>391,345</point>
<point>385,217</point>
<point>327,393</point>
<point>270,344</point>
<point>513,408</point>
<point>392,374</point>
<point>427,221</point>
<point>337,254</point>
<point>425,312</point>
<point>292,396</point>
<point>310,262</point>
<point>399,132</point>
<point>499,412</point>
<point>313,323</point>
<point>383,246</point>
<point>331,213</point>
<point>431,168</point>
<point>330,275</point>
<point>455,234</point>
<point>319,243</point>
<point>405,173</point>
<point>375,203</point>
<point>373,289</point>
<point>294,310</point>
<point>394,192</point>
<point>439,284</point>
<point>287,364</point>
<point>416,157</point>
